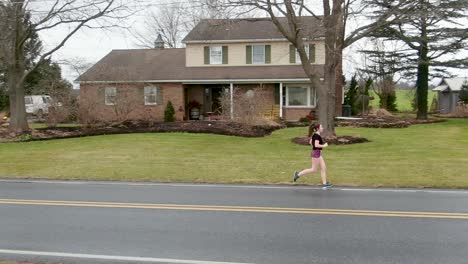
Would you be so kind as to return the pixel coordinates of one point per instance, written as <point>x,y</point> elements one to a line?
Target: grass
<point>404,98</point>
<point>432,155</point>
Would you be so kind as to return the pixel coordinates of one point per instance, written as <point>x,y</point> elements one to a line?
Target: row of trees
<point>429,29</point>
<point>22,54</point>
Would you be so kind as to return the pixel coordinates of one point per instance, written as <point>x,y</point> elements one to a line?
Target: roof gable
<point>249,29</point>
<point>451,84</point>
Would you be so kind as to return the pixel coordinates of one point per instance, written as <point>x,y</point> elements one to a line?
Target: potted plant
<point>194,109</point>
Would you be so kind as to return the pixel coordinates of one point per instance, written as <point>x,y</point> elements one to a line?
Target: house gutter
<point>227,81</point>
<point>227,41</point>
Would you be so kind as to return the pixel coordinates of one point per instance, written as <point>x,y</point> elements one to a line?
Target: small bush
<point>4,100</point>
<point>169,112</point>
<point>464,93</point>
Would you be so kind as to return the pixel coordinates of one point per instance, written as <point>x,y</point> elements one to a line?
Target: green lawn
<point>432,155</point>
<point>404,98</point>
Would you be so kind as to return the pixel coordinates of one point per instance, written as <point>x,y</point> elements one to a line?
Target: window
<point>216,55</point>
<point>151,93</point>
<point>28,100</point>
<point>302,96</point>
<point>294,54</point>
<point>258,54</point>
<point>298,58</point>
<point>110,95</point>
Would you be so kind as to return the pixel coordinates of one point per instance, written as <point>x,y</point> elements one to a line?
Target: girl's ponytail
<point>313,128</point>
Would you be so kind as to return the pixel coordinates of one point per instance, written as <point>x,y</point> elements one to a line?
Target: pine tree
<point>169,113</point>
<point>433,33</point>
<point>464,92</point>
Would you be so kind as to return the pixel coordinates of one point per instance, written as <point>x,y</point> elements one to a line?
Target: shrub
<point>464,92</point>
<point>4,100</point>
<point>169,112</point>
<point>351,96</point>
<point>249,105</point>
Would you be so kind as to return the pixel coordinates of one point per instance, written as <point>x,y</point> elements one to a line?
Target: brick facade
<point>130,102</point>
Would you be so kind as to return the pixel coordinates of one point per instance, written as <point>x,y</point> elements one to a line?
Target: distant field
<point>404,98</point>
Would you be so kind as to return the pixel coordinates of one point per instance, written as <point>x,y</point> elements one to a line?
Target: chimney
<point>159,43</point>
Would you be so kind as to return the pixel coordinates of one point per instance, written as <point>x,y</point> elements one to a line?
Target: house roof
<point>249,29</point>
<point>168,65</point>
<point>440,88</point>
<point>451,84</point>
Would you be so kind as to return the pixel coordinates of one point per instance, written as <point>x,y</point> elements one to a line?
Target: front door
<point>212,102</point>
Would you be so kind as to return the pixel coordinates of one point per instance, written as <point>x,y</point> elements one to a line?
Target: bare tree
<point>71,14</point>
<point>381,65</point>
<point>334,17</point>
<point>174,20</point>
<point>168,21</point>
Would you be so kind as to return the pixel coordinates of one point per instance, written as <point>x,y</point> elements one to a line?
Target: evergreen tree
<point>433,32</point>
<point>351,95</point>
<point>169,112</point>
<point>464,92</point>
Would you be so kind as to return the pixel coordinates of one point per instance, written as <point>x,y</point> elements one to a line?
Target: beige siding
<point>237,57</point>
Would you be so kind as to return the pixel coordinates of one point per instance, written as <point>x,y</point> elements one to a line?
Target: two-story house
<point>220,55</point>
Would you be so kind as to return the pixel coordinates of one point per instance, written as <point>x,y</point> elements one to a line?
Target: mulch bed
<point>211,127</point>
<point>385,122</point>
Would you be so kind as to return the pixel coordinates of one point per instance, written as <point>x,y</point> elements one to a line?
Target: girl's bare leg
<point>323,170</point>
<point>315,165</point>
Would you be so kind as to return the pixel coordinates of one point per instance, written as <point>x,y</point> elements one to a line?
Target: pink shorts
<point>316,153</point>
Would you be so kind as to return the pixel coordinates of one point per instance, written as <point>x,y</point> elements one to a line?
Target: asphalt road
<point>82,222</point>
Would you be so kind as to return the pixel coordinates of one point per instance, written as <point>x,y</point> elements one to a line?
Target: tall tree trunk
<point>327,91</point>
<point>422,82</point>
<point>15,77</point>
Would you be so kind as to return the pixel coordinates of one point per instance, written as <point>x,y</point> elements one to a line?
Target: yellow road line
<point>250,209</point>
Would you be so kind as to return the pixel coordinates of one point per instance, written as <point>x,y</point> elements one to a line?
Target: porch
<point>287,101</point>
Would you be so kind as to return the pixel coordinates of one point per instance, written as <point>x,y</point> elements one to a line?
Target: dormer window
<point>216,55</point>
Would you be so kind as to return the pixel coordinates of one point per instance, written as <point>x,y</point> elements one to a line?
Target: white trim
<point>261,62</point>
<point>212,62</point>
<point>281,99</point>
<point>309,104</point>
<point>202,81</point>
<point>231,90</point>
<point>155,96</point>
<point>245,40</point>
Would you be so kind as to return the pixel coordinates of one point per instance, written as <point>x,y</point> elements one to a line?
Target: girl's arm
<point>317,144</point>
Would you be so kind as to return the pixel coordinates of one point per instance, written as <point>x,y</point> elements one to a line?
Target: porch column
<point>231,91</point>
<point>281,100</point>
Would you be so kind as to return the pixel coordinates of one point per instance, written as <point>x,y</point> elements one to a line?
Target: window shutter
<point>267,54</point>
<point>102,95</point>
<point>248,53</point>
<point>225,54</point>
<point>207,54</point>
<point>312,53</point>
<point>159,96</point>
<point>292,54</point>
<point>141,95</point>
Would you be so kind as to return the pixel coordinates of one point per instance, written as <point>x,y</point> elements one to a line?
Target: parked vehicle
<point>37,105</point>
